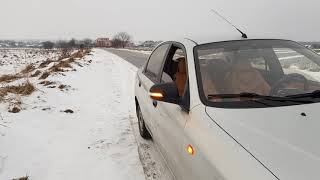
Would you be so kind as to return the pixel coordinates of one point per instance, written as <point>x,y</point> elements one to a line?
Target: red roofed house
<point>103,42</point>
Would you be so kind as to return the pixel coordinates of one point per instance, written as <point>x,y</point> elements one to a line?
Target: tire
<point>144,133</point>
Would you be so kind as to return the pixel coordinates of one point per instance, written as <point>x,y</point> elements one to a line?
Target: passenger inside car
<point>181,75</point>
<point>244,78</point>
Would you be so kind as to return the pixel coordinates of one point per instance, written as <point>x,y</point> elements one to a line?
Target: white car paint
<point>232,144</point>
<point>277,137</point>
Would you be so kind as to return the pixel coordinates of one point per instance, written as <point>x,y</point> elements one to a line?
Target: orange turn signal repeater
<point>156,95</point>
<point>190,149</point>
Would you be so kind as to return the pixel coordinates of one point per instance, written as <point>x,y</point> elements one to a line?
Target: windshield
<point>272,68</point>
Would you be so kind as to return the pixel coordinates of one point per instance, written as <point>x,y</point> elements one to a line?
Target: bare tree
<point>72,43</point>
<point>48,45</point>
<point>87,42</point>
<point>121,39</point>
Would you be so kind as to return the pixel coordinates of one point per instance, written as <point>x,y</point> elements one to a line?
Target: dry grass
<point>35,74</point>
<point>71,60</point>
<point>56,69</point>
<point>44,75</point>
<point>28,88</point>
<point>62,86</point>
<point>12,77</point>
<point>46,83</point>
<point>22,178</point>
<point>64,64</point>
<point>9,78</point>
<point>79,54</point>
<point>45,63</point>
<point>24,89</point>
<point>59,67</point>
<point>29,68</point>
<point>2,95</point>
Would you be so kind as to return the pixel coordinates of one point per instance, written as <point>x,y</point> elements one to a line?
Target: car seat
<point>245,78</point>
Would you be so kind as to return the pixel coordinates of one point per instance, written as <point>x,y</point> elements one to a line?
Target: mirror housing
<point>166,92</point>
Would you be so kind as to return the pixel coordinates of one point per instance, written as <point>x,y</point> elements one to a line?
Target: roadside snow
<point>94,142</point>
<point>154,166</point>
<point>137,51</point>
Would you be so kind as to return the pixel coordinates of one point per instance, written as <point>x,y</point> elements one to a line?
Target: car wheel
<point>142,126</point>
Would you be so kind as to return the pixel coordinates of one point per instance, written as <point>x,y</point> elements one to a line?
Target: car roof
<point>197,40</point>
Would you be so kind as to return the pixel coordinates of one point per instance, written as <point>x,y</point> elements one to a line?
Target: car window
<point>171,65</point>
<point>175,69</point>
<point>155,61</point>
<point>275,68</point>
<point>294,62</point>
<point>259,63</point>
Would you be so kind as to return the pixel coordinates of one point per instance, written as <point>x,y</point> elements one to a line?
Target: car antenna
<point>243,35</point>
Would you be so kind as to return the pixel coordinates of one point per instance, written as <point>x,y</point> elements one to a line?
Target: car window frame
<point>149,75</point>
<point>186,96</point>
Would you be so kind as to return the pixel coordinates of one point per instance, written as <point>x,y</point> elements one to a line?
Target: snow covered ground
<point>99,140</point>
<point>12,60</point>
<point>94,142</point>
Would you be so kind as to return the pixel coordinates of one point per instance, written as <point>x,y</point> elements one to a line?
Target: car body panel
<point>280,137</point>
<point>143,84</point>
<point>217,156</point>
<point>170,123</point>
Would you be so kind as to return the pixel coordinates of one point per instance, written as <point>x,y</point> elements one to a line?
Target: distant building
<point>103,42</point>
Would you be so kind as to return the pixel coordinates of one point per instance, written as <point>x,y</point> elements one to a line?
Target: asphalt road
<point>138,59</point>
<point>135,58</point>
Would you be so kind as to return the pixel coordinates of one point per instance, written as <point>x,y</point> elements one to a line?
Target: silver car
<point>241,109</point>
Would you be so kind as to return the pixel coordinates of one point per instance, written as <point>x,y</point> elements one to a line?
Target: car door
<point>170,122</point>
<point>146,80</point>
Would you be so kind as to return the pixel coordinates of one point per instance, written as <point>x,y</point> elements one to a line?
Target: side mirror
<point>166,92</point>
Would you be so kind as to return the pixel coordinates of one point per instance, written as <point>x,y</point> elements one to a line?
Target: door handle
<point>155,103</point>
<point>139,83</point>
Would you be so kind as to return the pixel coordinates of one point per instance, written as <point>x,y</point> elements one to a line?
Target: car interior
<point>238,72</point>
<point>175,69</point>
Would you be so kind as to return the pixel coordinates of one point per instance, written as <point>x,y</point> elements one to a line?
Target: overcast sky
<point>157,19</point>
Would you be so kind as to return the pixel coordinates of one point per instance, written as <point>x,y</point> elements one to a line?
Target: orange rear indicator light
<point>190,149</point>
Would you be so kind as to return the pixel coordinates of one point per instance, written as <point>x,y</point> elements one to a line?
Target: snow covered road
<point>94,142</point>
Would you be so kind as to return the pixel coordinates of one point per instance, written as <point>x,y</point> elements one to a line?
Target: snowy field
<point>13,60</point>
<point>98,140</point>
